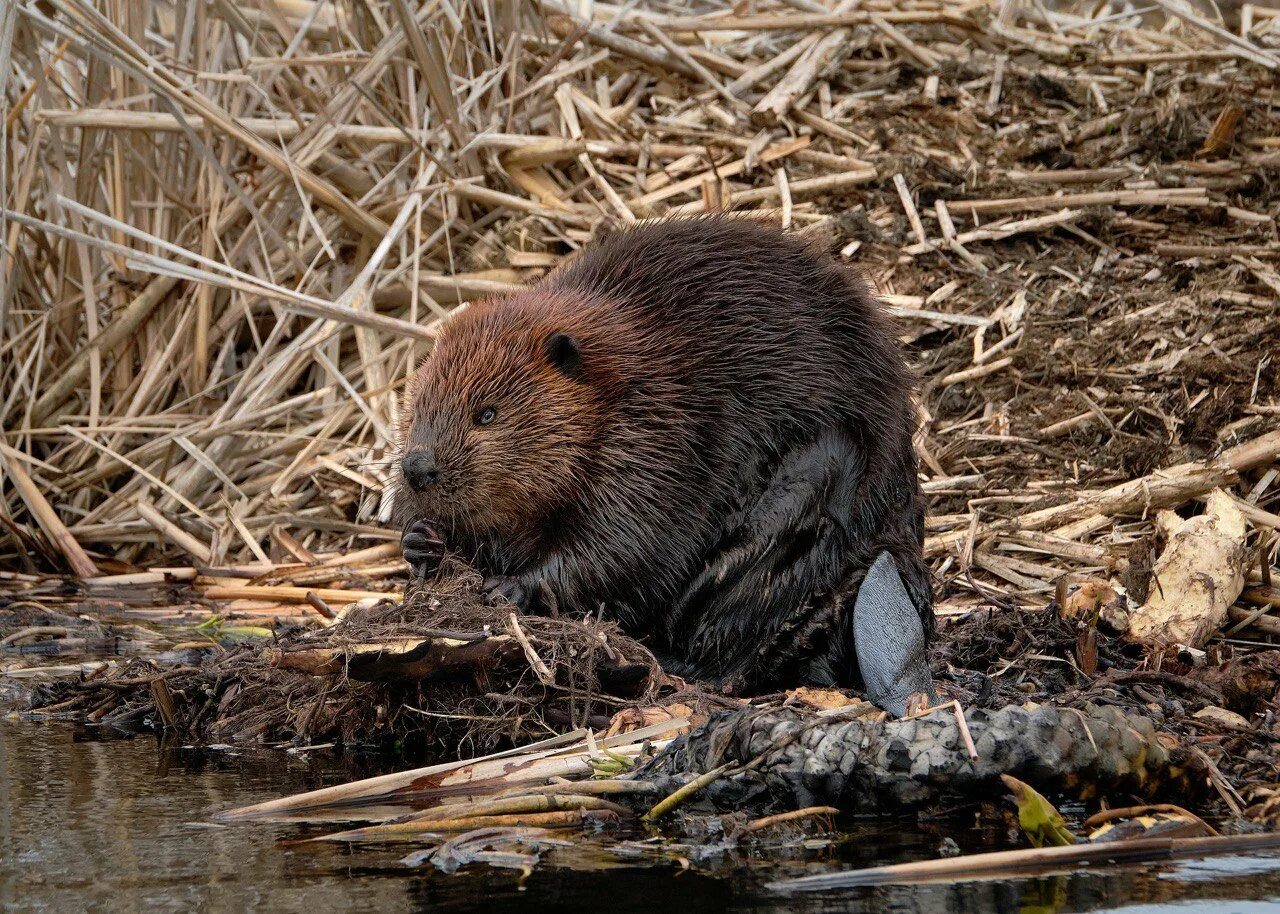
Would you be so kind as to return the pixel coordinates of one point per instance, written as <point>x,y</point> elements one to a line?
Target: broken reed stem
<point>45,515</point>
<point>677,797</point>
<point>267,127</point>
<point>175,534</point>
<point>1172,196</point>
<point>562,756</point>
<point>418,831</point>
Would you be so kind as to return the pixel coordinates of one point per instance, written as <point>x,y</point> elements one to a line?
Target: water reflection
<point>122,825</point>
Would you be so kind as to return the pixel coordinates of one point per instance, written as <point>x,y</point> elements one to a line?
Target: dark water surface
<point>92,824</point>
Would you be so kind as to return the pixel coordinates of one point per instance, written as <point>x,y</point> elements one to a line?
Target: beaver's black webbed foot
<point>423,549</point>
<point>889,639</point>
<point>514,590</point>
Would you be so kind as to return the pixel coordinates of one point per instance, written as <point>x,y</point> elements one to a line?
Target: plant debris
<point>230,233</point>
<point>443,667</point>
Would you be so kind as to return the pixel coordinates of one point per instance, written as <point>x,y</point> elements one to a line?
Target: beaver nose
<point>419,470</point>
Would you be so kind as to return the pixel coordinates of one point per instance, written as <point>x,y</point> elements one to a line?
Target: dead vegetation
<point>231,230</point>
<point>442,672</point>
<point>246,222</point>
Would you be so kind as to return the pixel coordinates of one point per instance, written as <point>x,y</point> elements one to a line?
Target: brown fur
<point>715,365</point>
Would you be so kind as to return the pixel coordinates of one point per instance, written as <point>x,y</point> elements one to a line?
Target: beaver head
<point>499,418</point>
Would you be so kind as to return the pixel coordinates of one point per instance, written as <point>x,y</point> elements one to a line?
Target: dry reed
<point>231,229</point>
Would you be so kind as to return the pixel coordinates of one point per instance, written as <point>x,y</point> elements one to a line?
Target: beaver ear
<point>564,354</point>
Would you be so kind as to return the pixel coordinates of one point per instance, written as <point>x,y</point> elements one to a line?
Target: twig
<point>808,812</point>
<point>683,793</point>
<point>540,669</point>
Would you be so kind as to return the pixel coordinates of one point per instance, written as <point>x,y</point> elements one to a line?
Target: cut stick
<point>1069,175</point>
<point>447,774</point>
<point>1260,450</point>
<point>1258,619</point>
<point>537,152</point>
<point>978,371</point>
<point>154,577</point>
<point>45,516</point>
<point>922,55</point>
<point>1049,859</point>
<point>660,60</point>
<point>521,151</point>
<point>1217,251</point>
<point>378,553</point>
<point>1067,425</point>
<point>767,22</point>
<point>284,594</point>
<point>756,74</point>
<point>998,232</point>
<point>822,185</point>
<point>909,207</point>
<point>1172,196</point>
<point>496,198</point>
<point>540,669</point>
<point>703,73</point>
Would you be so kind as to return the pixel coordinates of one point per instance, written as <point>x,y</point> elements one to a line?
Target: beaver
<point>701,428</point>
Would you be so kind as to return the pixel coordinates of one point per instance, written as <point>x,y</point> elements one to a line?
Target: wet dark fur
<point>718,470</point>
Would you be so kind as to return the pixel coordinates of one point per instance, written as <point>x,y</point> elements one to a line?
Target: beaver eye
<point>486,415</point>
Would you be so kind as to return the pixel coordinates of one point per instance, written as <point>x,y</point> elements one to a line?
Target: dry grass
<point>231,229</point>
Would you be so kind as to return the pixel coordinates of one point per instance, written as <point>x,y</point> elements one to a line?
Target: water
<point>93,824</point>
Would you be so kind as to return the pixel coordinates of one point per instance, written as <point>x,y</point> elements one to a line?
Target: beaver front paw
<point>423,549</point>
<point>514,590</point>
